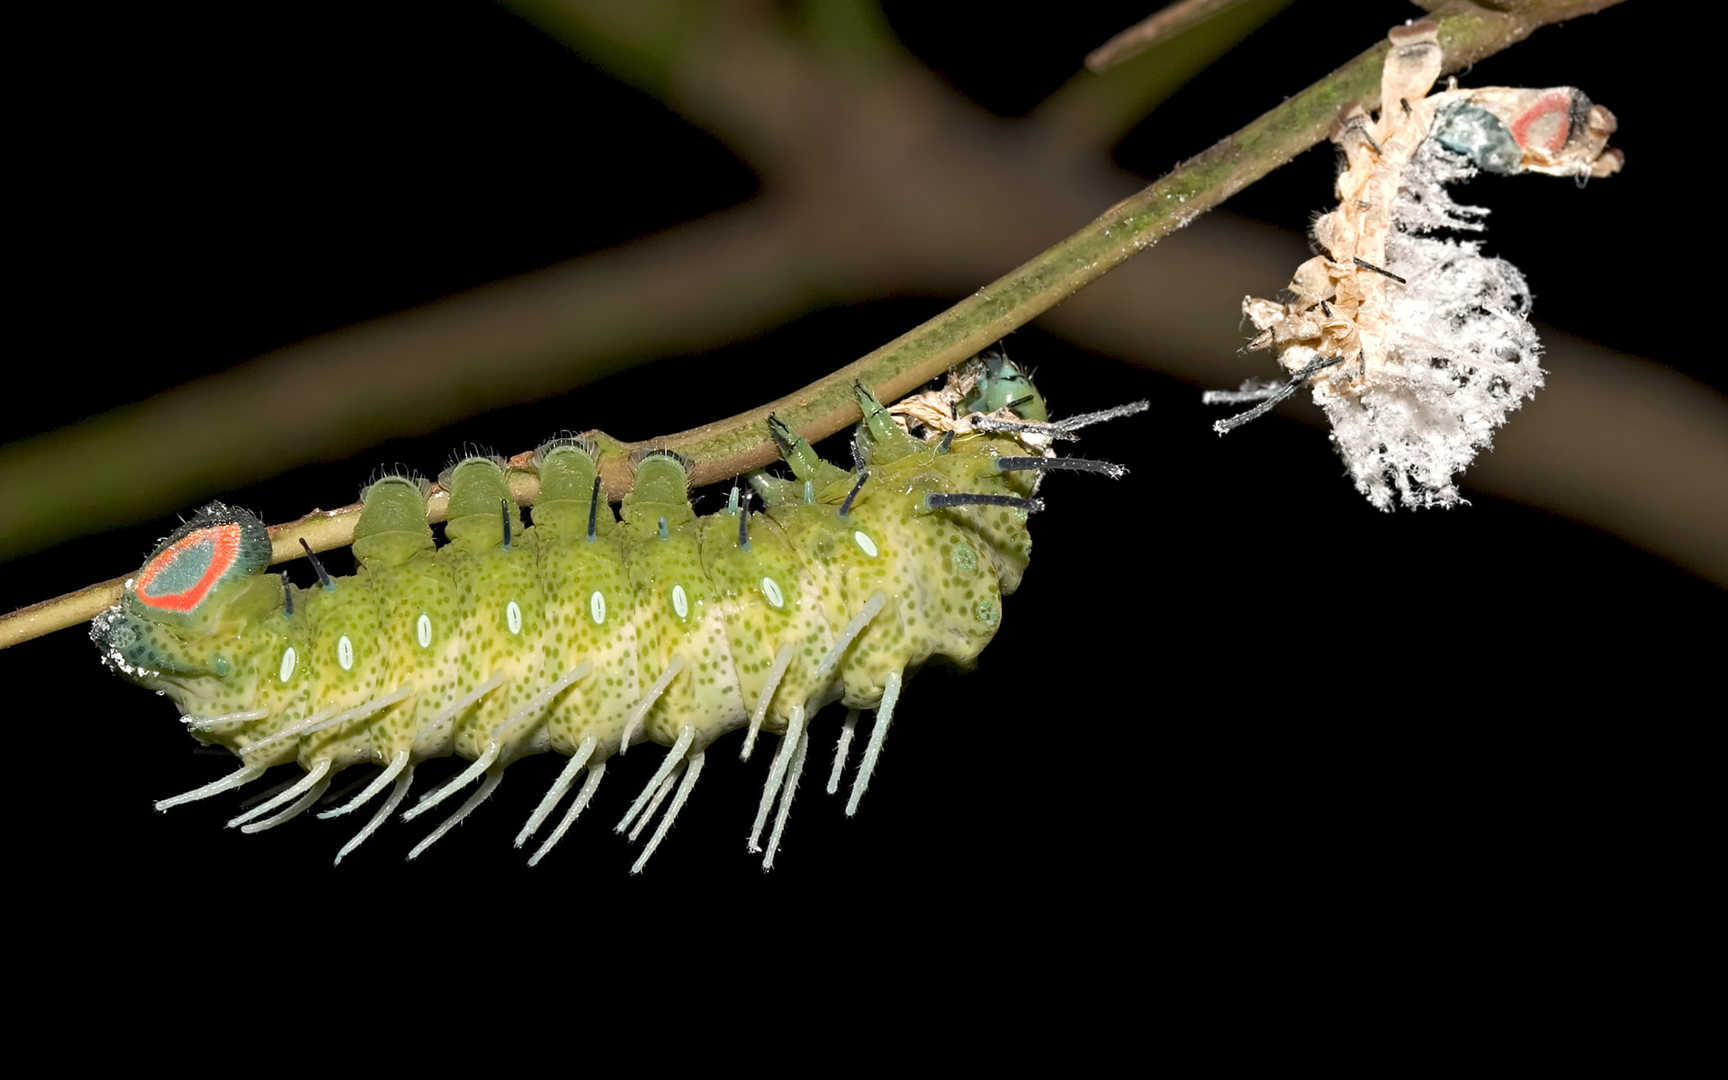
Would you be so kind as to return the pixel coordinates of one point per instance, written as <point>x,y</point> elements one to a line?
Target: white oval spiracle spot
<point>423,631</point>
<point>286,671</point>
<point>680,602</point>
<point>597,607</point>
<point>345,653</point>
<point>513,617</point>
<point>865,544</point>
<point>771,589</point>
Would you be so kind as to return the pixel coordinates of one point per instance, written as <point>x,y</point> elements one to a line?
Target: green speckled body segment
<point>767,599</point>
<point>591,608</point>
<point>510,640</point>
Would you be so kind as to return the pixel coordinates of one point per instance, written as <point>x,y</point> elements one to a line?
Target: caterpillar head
<point>177,620</point>
<point>1004,384</point>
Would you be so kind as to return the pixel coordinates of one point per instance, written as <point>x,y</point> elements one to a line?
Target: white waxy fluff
<point>1458,358</point>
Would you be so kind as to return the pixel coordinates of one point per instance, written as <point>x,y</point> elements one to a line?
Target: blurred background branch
<point>1163,24</point>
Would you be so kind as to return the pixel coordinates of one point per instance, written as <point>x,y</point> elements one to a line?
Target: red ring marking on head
<point>225,548</point>
<point>1557,102</point>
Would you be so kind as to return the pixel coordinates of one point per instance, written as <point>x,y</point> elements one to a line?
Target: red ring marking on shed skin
<point>225,548</point>
<point>1557,102</point>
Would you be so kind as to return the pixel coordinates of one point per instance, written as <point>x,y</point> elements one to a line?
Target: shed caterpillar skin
<point>1416,346</point>
<point>587,633</point>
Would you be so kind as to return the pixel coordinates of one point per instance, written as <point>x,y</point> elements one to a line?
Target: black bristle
<point>784,436</point>
<point>1362,130</point>
<point>1366,265</point>
<point>744,523</point>
<point>1060,429</point>
<point>864,393</point>
<point>594,507</point>
<point>1274,396</point>
<point>324,578</point>
<point>504,513</point>
<point>851,496</point>
<point>938,500</point>
<point>1018,464</point>
<point>287,595</point>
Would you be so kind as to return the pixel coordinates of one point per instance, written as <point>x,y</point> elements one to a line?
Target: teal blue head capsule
<point>1477,134</point>
<point>1004,385</point>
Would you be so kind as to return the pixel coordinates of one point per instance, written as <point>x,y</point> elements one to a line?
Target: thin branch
<point>729,447</point>
<point>1097,108</point>
<point>1161,25</point>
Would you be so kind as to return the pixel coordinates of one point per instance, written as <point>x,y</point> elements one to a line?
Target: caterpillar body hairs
<point>588,632</point>
<point>1418,347</point>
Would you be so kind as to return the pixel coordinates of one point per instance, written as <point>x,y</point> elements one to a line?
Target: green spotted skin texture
<point>461,640</point>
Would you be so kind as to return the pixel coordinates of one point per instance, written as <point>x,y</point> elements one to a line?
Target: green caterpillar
<point>589,632</point>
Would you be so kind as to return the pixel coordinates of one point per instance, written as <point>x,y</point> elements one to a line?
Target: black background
<point>1235,720</point>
